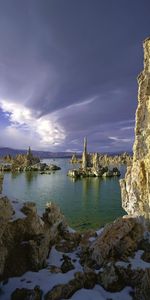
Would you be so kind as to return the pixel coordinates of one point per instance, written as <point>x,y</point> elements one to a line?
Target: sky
<point>68,69</point>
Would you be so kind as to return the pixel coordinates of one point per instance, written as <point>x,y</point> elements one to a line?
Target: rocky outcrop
<point>91,166</point>
<point>1,182</point>
<point>94,172</point>
<point>142,290</point>
<point>27,294</point>
<point>26,162</point>
<point>119,159</point>
<point>118,240</point>
<point>75,160</point>
<point>27,240</point>
<point>135,188</point>
<point>65,291</point>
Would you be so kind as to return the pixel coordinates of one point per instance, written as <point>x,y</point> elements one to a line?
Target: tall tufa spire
<point>84,154</point>
<point>85,145</point>
<point>29,152</point>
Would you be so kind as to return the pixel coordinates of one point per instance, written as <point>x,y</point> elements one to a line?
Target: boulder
<point>118,240</point>
<point>27,294</point>
<point>110,279</point>
<point>26,242</point>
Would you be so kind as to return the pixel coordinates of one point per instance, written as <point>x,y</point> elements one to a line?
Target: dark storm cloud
<point>55,54</point>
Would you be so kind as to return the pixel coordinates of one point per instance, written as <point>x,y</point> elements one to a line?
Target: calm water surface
<point>86,203</point>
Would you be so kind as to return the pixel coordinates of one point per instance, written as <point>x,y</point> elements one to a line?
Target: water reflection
<point>91,187</point>
<point>30,176</point>
<point>14,175</point>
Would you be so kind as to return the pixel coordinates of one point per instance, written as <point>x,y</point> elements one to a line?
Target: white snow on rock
<point>98,293</point>
<point>136,263</point>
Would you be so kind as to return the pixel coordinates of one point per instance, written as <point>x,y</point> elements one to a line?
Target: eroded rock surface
<point>135,188</point>
<point>118,240</point>
<point>26,242</point>
<point>1,182</point>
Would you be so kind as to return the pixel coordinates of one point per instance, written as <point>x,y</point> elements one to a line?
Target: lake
<point>86,203</point>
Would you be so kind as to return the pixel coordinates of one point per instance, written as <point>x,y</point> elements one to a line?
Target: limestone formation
<point>91,166</point>
<point>95,161</point>
<point>84,155</point>
<point>135,188</point>
<point>25,241</point>
<point>75,159</point>
<point>26,162</point>
<point>119,239</point>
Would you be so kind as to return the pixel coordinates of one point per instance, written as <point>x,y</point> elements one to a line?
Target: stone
<point>25,243</point>
<point>135,188</point>
<point>118,240</point>
<point>1,182</point>
<point>73,173</point>
<point>75,159</point>
<point>27,294</point>
<point>67,264</point>
<point>142,290</point>
<point>110,279</point>
<point>29,208</point>
<point>55,269</point>
<point>65,291</point>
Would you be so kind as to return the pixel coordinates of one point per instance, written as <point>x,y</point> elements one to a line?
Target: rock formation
<point>1,182</point>
<point>91,166</point>
<point>84,155</point>
<point>135,188</point>
<point>75,159</point>
<point>26,239</point>
<point>26,162</point>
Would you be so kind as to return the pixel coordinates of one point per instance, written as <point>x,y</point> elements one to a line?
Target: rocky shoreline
<point>41,257</point>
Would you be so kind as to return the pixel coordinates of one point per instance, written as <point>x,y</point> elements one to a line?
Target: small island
<point>91,166</point>
<point>25,162</point>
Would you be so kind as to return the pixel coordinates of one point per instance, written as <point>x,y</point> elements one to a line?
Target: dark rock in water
<point>5,167</point>
<point>53,167</point>
<point>27,294</point>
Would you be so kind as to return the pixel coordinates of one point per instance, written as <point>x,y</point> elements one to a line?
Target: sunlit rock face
<point>135,188</point>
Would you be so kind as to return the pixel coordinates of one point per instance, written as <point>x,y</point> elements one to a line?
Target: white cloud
<point>85,102</point>
<point>45,131</point>
<point>124,140</point>
<point>127,128</point>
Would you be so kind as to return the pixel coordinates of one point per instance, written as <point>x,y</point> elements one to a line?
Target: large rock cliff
<point>135,188</point>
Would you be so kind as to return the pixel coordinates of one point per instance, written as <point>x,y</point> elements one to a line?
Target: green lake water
<point>86,203</point>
